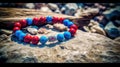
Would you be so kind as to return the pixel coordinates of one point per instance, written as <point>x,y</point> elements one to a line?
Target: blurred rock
<point>3,37</point>
<point>111,30</point>
<point>60,27</point>
<point>117,39</point>
<point>116,23</point>
<point>39,5</point>
<point>45,9</point>
<point>87,12</point>
<point>49,26</point>
<point>80,5</point>
<point>30,5</point>
<point>94,27</point>
<point>43,31</point>
<point>58,11</point>
<point>113,14</point>
<point>4,31</point>
<point>52,6</point>
<point>30,60</point>
<point>98,29</point>
<point>71,6</point>
<point>60,5</point>
<point>92,22</point>
<point>101,19</point>
<point>32,31</point>
<point>113,33</point>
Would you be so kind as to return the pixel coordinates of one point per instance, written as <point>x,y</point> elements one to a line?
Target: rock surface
<point>84,48</point>
<point>94,27</point>
<point>60,27</point>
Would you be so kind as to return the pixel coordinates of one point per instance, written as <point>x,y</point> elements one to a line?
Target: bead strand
<point>43,20</point>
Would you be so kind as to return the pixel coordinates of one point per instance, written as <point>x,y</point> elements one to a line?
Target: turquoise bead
<point>43,39</point>
<point>69,24</point>
<point>21,36</point>
<point>49,19</point>
<point>29,21</point>
<point>65,22</point>
<point>60,37</point>
<point>18,32</point>
<point>67,35</point>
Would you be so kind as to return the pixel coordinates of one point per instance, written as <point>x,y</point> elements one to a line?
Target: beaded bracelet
<point>42,20</point>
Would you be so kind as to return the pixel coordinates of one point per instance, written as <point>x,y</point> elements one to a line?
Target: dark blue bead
<point>29,21</point>
<point>65,22</point>
<point>21,36</point>
<point>43,39</point>
<point>49,19</point>
<point>60,37</point>
<point>18,32</point>
<point>69,24</point>
<point>67,35</point>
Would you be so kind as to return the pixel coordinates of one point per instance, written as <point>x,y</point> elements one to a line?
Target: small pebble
<point>32,31</point>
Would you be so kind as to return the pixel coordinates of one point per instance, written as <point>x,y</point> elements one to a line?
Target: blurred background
<point>108,17</point>
<point>64,8</point>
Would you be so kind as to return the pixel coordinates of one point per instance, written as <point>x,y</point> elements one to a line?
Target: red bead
<point>23,23</point>
<point>72,31</point>
<point>61,20</point>
<point>42,20</point>
<point>74,26</point>
<point>17,24</point>
<point>55,19</point>
<point>35,21</point>
<point>16,28</point>
<point>28,38</point>
<point>35,40</point>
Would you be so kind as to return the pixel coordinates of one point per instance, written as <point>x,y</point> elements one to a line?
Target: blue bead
<point>43,39</point>
<point>29,21</point>
<point>69,24</point>
<point>67,35</point>
<point>21,36</point>
<point>60,37</point>
<point>18,32</point>
<point>49,19</point>
<point>65,22</point>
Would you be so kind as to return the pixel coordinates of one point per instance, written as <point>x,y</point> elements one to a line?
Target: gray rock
<point>52,6</point>
<point>45,9</point>
<point>57,11</point>
<point>32,31</point>
<point>71,6</point>
<point>30,5</point>
<point>110,25</point>
<point>3,37</point>
<point>80,5</point>
<point>112,14</point>
<point>112,30</point>
<point>117,39</point>
<point>30,60</point>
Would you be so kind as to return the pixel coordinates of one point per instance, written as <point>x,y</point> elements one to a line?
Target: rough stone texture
<point>94,27</point>
<point>84,48</point>
<point>32,31</point>
<point>60,27</point>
